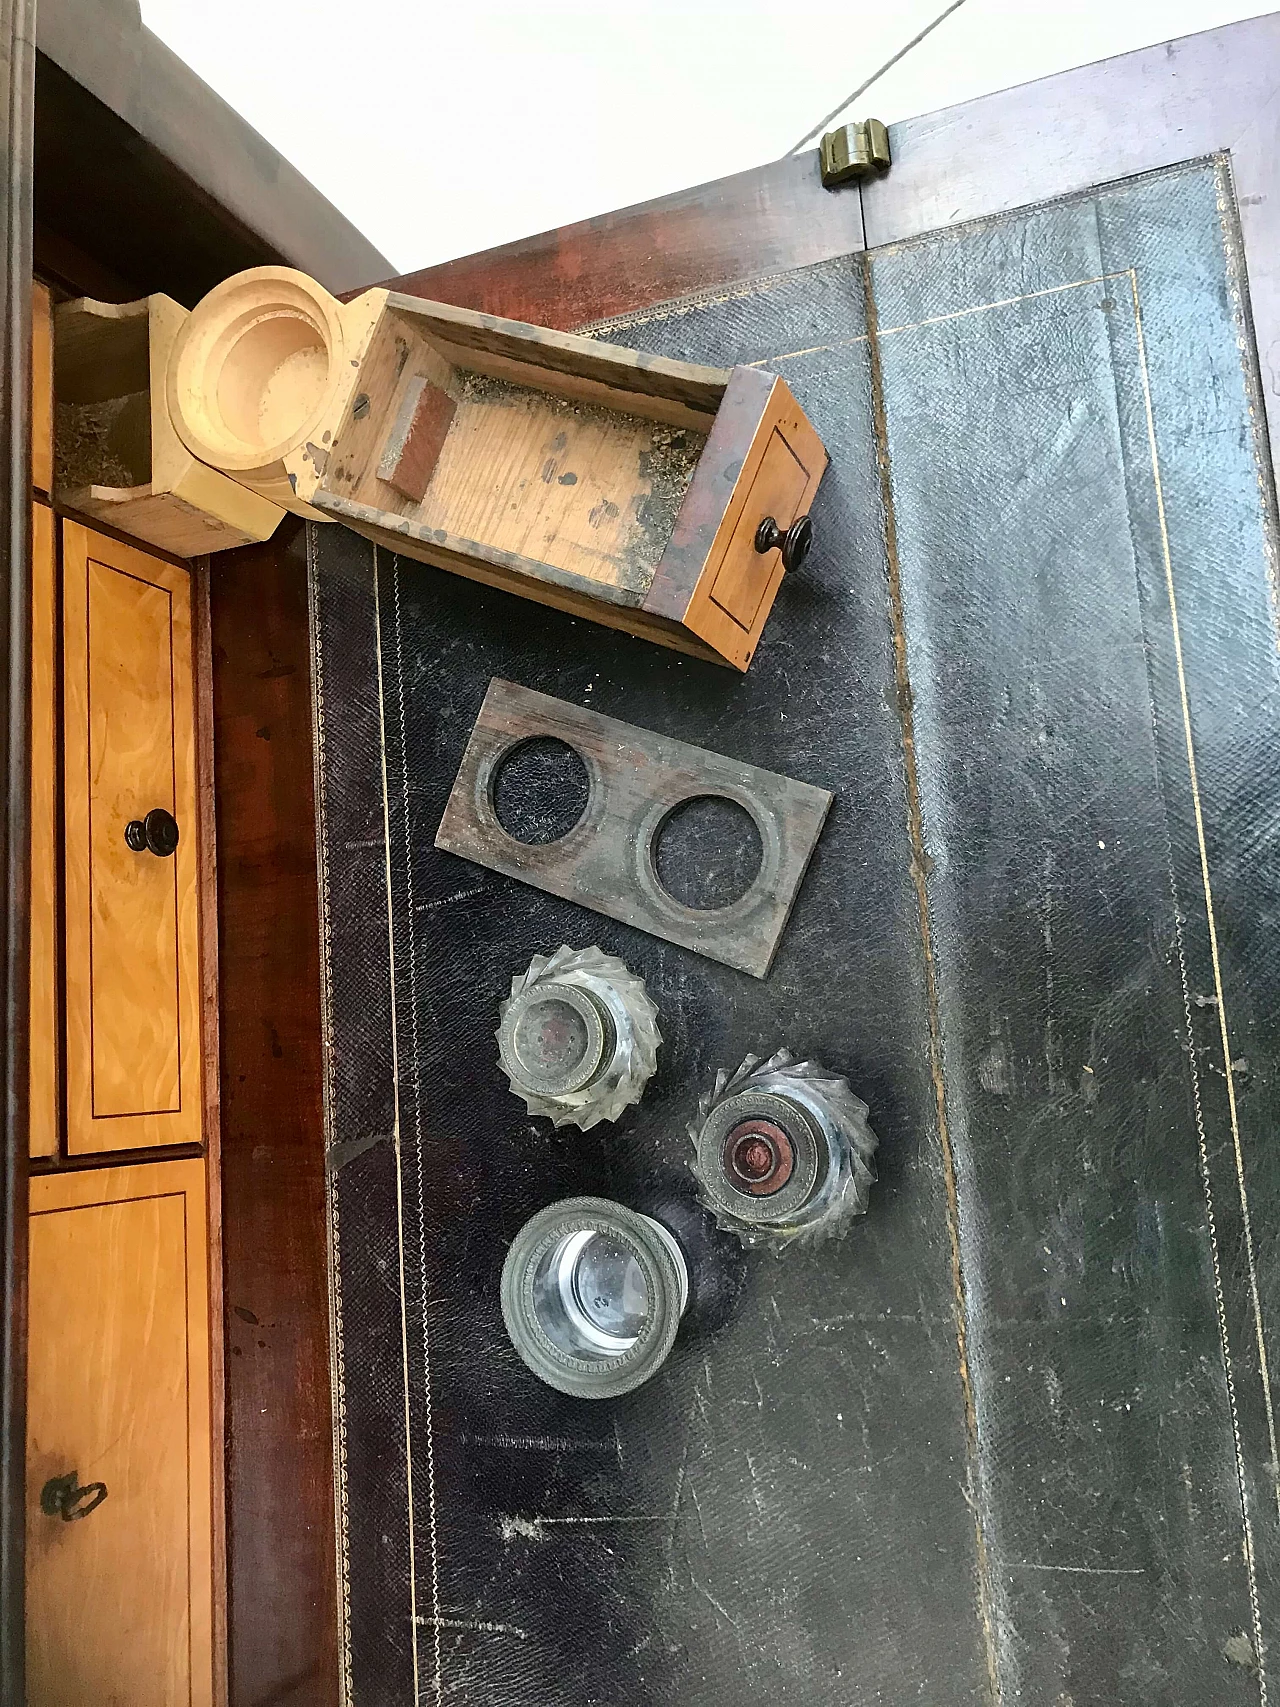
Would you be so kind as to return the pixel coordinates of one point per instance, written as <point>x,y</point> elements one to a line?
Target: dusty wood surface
<point>117,455</point>
<point>637,780</point>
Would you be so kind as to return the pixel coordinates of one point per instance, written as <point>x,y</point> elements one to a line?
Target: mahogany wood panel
<point>42,1064</point>
<point>119,1603</point>
<point>770,219</point>
<point>133,1041</point>
<point>282,1613</point>
<point>212,1088</point>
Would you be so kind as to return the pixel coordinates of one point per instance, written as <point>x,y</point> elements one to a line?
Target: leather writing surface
<point>1084,540</point>
<point>787,1513</point>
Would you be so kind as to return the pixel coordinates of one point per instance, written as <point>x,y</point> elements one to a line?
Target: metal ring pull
<point>795,543</point>
<point>62,1496</point>
<point>157,833</point>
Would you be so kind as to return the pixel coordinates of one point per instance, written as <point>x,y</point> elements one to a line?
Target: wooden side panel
<point>766,456</point>
<point>41,389</point>
<point>515,574</point>
<point>280,1513</point>
<point>766,220</point>
<point>43,1061</point>
<point>132,931</point>
<point>119,1603</point>
<point>208,513</point>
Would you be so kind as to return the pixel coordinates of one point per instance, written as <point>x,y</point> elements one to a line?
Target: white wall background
<point>440,129</point>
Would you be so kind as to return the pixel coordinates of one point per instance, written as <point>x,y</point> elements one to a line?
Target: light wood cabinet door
<point>132,941</point>
<point>43,1066</point>
<point>119,1602</point>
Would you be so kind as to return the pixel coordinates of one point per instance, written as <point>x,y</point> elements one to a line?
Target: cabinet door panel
<point>133,1064</point>
<point>119,1603</point>
<point>43,1068</point>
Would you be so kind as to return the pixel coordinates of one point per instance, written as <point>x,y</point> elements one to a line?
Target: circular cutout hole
<point>707,852</point>
<point>273,378</point>
<point>540,790</point>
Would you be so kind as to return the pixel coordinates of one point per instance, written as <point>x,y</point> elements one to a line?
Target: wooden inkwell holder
<point>655,496</point>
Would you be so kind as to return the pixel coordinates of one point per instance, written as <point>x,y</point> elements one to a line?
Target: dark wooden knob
<point>794,544</point>
<point>157,833</point>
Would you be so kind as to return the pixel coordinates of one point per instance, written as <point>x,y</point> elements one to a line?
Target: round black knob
<point>795,543</point>
<point>157,833</point>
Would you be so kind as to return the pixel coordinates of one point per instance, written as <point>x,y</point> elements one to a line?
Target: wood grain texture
<point>607,861</point>
<point>765,455</point>
<point>119,1604</point>
<point>132,930</point>
<point>555,355</point>
<point>510,573</point>
<point>417,436</point>
<point>766,220</point>
<point>41,389</point>
<point>281,1552</point>
<point>737,585</point>
<point>45,954</point>
<point>212,1087</point>
<point>547,484</point>
<point>589,492</point>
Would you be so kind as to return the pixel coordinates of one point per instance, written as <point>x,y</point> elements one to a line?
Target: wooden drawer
<point>624,487</point>
<point>133,1063</point>
<point>119,1603</point>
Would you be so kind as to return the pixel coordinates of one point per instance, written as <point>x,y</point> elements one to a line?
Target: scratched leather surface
<point>786,1514</point>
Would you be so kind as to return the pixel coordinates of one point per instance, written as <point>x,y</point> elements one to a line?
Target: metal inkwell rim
<point>597,1052</point>
<point>666,1278</point>
<point>808,1161</point>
